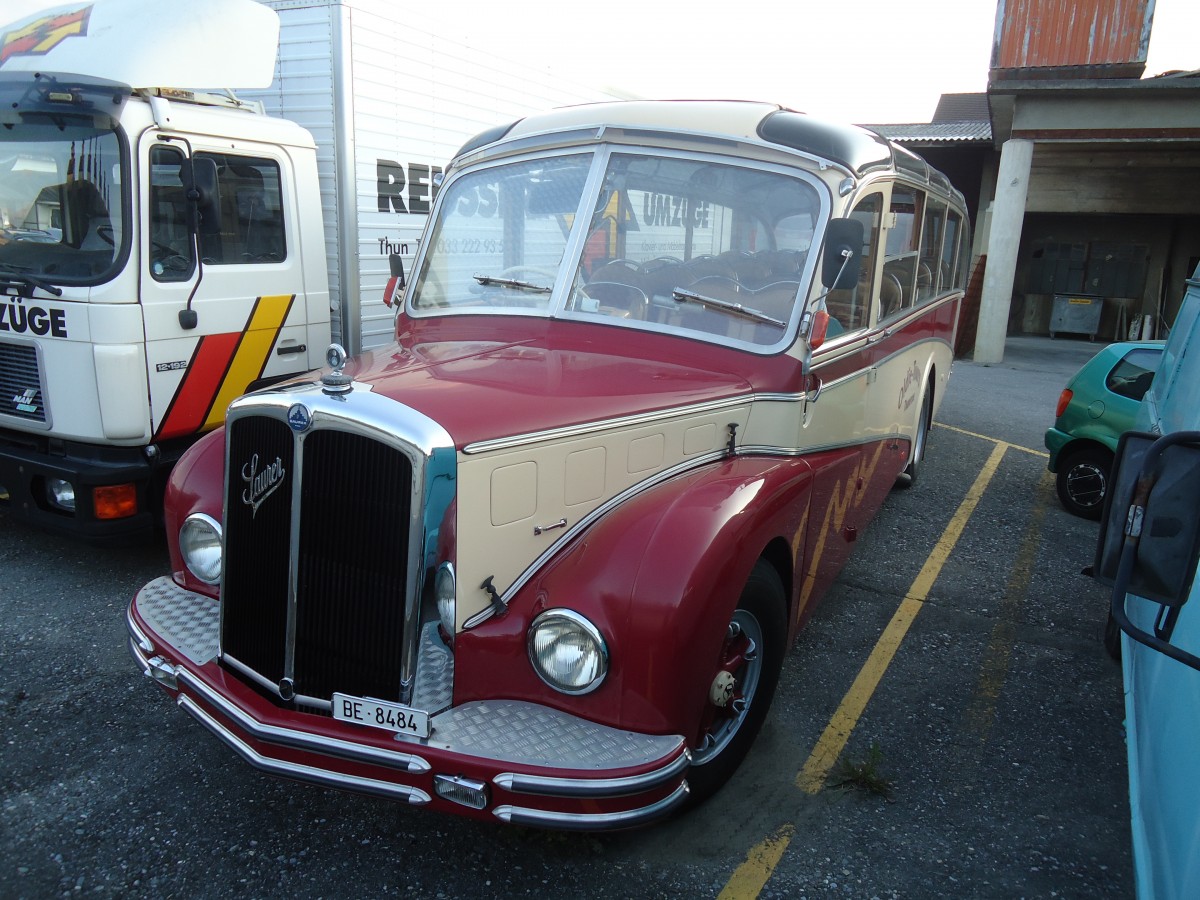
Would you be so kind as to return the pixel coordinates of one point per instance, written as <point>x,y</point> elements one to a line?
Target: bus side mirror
<point>1150,533</point>
<point>842,260</point>
<point>204,192</point>
<point>393,291</point>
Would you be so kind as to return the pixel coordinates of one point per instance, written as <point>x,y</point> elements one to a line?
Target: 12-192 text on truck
<point>657,365</point>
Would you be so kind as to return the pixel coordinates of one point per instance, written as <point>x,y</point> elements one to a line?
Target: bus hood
<point>492,387</point>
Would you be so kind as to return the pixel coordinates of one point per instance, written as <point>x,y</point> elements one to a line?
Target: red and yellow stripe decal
<point>222,367</point>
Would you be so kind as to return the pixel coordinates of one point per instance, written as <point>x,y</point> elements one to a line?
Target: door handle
<point>284,351</point>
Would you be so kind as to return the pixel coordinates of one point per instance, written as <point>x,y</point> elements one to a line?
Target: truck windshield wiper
<point>13,277</point>
<point>486,280</point>
<point>734,309</point>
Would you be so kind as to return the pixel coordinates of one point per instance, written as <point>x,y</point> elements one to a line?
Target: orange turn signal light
<point>115,501</point>
<point>820,325</point>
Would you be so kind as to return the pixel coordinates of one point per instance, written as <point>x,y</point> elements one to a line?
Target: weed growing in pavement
<point>864,775</point>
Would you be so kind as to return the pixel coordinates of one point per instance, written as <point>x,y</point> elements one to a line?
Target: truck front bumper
<point>29,465</point>
<point>504,760</point>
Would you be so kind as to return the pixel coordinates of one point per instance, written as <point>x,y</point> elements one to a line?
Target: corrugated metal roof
<point>962,108</point>
<point>1097,36</point>
<point>937,132</point>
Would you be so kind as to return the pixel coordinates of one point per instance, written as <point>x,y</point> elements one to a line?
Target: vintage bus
<point>539,561</point>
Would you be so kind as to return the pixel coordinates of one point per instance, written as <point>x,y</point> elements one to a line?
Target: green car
<point>1097,405</point>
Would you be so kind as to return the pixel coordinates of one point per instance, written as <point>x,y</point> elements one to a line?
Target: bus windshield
<point>674,242</point>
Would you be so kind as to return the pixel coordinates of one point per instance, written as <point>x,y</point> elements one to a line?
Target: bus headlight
<point>443,589</point>
<point>200,547</point>
<point>567,651</point>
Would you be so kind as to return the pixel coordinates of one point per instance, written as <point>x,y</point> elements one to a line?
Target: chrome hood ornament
<point>336,381</point>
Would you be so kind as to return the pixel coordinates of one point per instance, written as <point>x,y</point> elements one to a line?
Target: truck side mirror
<point>842,259</point>
<point>204,191</point>
<point>1150,533</point>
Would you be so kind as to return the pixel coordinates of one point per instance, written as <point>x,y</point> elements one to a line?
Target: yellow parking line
<point>837,732</point>
<point>984,437</point>
<point>982,711</point>
<point>750,877</point>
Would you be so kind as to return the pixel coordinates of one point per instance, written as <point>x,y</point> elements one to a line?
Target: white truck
<point>167,245</point>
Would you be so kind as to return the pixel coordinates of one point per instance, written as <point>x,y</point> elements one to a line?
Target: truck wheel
<point>743,682</point>
<point>909,476</point>
<point>1082,481</point>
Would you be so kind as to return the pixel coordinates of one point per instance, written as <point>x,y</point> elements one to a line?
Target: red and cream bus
<point>539,561</point>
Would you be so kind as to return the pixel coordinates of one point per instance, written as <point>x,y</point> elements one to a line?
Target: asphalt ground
<point>956,667</point>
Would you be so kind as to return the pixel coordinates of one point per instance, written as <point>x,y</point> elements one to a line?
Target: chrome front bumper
<point>541,767</point>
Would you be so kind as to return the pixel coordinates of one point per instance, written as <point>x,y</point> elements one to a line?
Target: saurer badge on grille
<point>261,484</point>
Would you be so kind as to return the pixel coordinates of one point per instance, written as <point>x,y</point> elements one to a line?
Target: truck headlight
<point>200,547</point>
<point>61,493</point>
<point>567,651</point>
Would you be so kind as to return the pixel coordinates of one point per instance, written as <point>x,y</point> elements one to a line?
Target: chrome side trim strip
<point>582,787</point>
<point>300,740</point>
<point>810,449</point>
<point>303,773</point>
<point>520,815</point>
<point>534,437</point>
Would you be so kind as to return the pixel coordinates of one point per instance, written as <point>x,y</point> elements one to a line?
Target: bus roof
<point>857,150</point>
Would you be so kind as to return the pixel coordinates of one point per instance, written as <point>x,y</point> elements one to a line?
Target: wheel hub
<point>720,694</point>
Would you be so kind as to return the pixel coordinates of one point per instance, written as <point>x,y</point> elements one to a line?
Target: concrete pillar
<point>1008,212</point>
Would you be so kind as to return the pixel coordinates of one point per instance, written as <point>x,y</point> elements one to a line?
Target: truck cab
<point>161,253</point>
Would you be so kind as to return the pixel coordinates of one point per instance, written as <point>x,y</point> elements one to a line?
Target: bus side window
<point>851,308</point>
<point>964,260</point>
<point>950,265</point>
<point>903,242</point>
<point>929,266</point>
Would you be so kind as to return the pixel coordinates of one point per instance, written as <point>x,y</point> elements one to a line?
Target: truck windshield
<point>61,204</point>
<point>686,244</point>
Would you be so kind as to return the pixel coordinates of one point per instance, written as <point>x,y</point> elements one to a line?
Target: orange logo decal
<point>42,35</point>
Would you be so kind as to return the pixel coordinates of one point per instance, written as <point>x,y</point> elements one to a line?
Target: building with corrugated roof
<point>1084,175</point>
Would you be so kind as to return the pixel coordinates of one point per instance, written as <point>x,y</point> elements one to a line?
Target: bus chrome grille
<point>340,535</point>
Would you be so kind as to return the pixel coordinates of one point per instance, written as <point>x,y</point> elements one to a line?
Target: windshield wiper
<point>13,277</point>
<point>734,309</point>
<point>486,280</point>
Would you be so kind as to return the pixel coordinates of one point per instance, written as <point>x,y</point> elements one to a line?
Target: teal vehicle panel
<point>1162,695</point>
